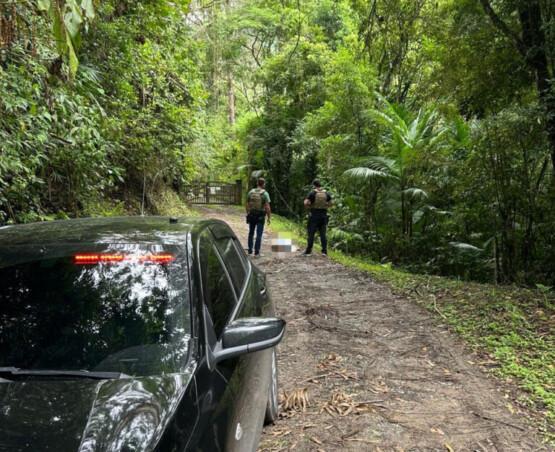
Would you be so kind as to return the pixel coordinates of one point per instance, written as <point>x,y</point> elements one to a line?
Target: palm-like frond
<point>243,167</point>
<point>465,247</point>
<point>437,211</point>
<point>392,115</point>
<point>415,193</point>
<point>367,174</point>
<point>439,136</point>
<point>384,164</point>
<point>460,132</point>
<point>338,234</point>
<point>381,118</point>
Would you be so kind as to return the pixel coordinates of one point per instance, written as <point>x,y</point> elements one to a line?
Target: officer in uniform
<point>258,208</point>
<point>318,201</point>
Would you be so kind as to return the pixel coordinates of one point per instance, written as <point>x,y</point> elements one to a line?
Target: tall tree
<point>532,44</point>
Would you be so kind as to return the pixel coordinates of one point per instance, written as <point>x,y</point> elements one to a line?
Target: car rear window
<point>117,308</point>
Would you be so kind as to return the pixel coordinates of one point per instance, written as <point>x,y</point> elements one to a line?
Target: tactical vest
<point>320,200</point>
<point>256,200</point>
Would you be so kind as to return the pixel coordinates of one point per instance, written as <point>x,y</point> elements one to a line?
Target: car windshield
<point>106,308</point>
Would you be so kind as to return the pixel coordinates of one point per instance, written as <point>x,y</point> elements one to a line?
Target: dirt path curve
<point>365,370</point>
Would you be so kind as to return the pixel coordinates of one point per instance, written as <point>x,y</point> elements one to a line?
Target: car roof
<point>140,230</point>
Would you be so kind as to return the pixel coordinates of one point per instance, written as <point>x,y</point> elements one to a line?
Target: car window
<point>235,265</point>
<point>121,308</point>
<point>218,292</point>
<point>221,230</point>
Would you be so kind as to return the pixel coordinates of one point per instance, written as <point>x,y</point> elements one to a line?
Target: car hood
<point>88,415</point>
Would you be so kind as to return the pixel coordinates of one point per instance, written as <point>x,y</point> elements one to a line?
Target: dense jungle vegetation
<point>432,122</point>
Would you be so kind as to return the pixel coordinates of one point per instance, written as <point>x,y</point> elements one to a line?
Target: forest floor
<point>363,368</point>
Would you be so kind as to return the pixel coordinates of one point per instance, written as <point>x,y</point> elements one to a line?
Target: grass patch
<point>168,203</point>
<point>106,208</point>
<point>282,224</point>
<point>511,328</point>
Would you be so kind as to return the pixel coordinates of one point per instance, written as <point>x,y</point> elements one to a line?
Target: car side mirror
<point>248,335</point>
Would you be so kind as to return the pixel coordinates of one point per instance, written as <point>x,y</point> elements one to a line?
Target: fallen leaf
<point>294,401</point>
<point>316,440</point>
<point>438,431</point>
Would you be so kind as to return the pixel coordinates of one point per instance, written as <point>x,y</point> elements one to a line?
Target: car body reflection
<point>112,337</point>
<point>130,412</point>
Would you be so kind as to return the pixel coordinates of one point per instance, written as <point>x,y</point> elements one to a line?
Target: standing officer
<point>258,207</point>
<point>318,201</point>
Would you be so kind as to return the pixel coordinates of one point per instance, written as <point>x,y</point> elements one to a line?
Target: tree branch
<point>504,28</point>
<point>298,34</point>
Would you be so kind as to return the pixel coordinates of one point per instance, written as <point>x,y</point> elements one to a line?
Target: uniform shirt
<point>265,197</point>
<point>312,197</point>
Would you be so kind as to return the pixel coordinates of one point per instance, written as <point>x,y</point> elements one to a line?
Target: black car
<point>133,334</point>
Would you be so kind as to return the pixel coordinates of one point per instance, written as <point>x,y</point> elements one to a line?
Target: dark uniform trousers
<point>317,222</point>
<point>256,222</point>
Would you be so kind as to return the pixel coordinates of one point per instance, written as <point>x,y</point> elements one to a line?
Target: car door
<point>216,385</point>
<point>252,376</point>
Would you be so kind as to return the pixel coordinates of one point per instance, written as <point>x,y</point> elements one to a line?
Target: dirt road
<point>363,369</point>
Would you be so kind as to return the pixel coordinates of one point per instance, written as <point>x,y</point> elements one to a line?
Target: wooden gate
<point>214,193</point>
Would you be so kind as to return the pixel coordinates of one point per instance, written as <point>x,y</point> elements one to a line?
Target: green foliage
<point>409,141</point>
<point>470,63</point>
<point>427,154</point>
<point>152,108</point>
<point>67,17</point>
<point>105,208</point>
<point>422,147</point>
<point>167,202</point>
<point>53,154</point>
<point>122,125</point>
<point>503,182</point>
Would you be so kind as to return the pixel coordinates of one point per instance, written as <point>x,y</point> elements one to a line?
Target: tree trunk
<point>230,99</point>
<point>534,39</point>
<point>230,91</point>
<point>532,45</point>
<point>403,211</point>
<point>495,261</point>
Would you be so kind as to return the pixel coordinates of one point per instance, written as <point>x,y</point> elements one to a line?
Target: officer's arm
<point>268,210</point>
<point>308,201</point>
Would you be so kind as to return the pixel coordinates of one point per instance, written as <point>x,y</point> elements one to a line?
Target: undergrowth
<point>167,202</point>
<point>163,201</point>
<point>510,328</point>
